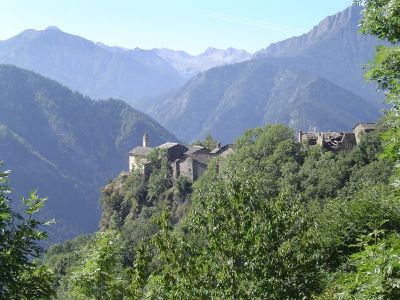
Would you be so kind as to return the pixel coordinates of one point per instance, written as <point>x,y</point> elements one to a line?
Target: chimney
<point>300,136</point>
<point>145,140</point>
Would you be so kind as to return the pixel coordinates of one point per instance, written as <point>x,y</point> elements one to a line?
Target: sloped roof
<point>140,151</point>
<point>167,145</point>
<point>194,149</point>
<point>218,150</point>
<point>215,150</point>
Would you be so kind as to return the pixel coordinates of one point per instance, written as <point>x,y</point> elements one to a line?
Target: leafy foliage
<point>101,276</point>
<point>374,272</point>
<point>382,18</point>
<point>20,276</point>
<point>209,142</point>
<point>160,179</point>
<point>258,222</point>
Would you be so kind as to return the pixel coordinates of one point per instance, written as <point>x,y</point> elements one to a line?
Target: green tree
<point>209,142</point>
<point>371,273</point>
<point>20,276</point>
<point>377,266</point>
<point>100,275</point>
<point>160,178</point>
<point>243,237</point>
<point>382,19</point>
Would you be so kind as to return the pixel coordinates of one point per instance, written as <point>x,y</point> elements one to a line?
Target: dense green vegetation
<point>382,18</point>
<point>277,219</point>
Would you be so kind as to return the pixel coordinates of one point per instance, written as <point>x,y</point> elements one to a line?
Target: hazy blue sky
<point>189,25</point>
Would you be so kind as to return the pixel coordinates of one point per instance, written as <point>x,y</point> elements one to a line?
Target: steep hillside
<point>225,101</point>
<point>334,49</point>
<point>66,145</point>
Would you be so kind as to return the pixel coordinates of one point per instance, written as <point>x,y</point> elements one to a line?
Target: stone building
<point>174,150</point>
<point>193,164</point>
<point>190,163</point>
<point>309,138</point>
<point>138,156</point>
<point>222,151</point>
<point>335,141</point>
<point>362,128</point>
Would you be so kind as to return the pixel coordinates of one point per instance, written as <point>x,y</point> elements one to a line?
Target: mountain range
<point>66,145</point>
<point>311,82</point>
<point>100,71</point>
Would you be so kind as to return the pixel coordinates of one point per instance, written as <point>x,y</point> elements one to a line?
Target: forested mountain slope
<point>225,101</point>
<point>66,145</point>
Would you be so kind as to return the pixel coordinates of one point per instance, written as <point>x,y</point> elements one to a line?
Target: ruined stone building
<point>362,128</point>
<point>190,163</point>
<point>335,141</point>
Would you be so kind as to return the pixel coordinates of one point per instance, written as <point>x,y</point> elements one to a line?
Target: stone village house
<point>192,162</point>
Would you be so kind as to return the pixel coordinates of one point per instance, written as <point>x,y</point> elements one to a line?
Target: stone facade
<point>138,157</point>
<point>362,128</point>
<point>190,163</point>
<point>189,167</point>
<point>193,164</point>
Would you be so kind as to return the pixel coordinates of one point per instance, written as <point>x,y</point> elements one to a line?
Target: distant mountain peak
<point>53,28</point>
<point>210,50</point>
<point>348,19</point>
<point>228,51</point>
